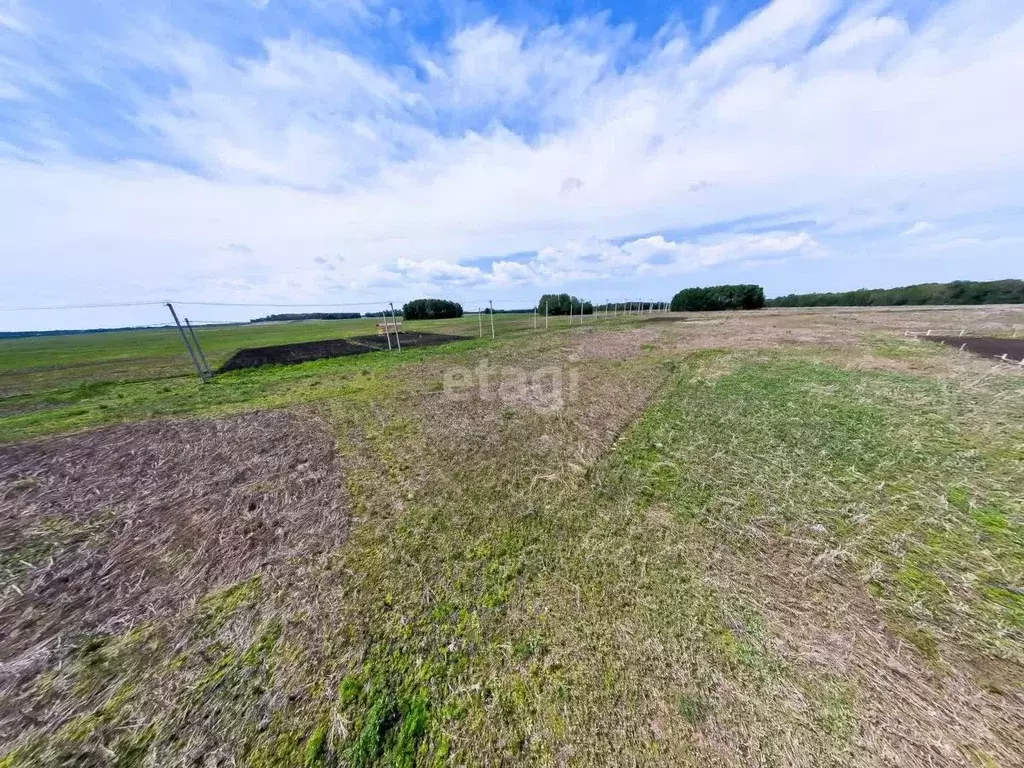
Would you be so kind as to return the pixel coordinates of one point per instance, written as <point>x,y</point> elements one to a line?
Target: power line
<point>115,304</point>
<point>85,306</point>
<point>526,303</point>
<point>257,304</point>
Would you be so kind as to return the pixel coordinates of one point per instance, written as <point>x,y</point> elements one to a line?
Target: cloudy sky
<point>336,151</point>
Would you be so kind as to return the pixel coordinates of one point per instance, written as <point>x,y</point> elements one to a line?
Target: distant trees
<point>563,304</point>
<point>431,309</point>
<point>716,297</point>
<point>957,292</point>
<point>633,306</point>
<point>306,316</point>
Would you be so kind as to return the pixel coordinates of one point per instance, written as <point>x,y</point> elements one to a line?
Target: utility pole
<point>397,339</point>
<point>492,317</point>
<point>199,349</point>
<point>480,320</point>
<point>188,346</point>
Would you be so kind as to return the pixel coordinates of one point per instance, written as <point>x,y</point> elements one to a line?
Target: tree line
<point>956,292</point>
<point>291,316</point>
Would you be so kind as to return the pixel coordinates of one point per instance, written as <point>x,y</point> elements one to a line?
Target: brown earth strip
<point>304,352</point>
<point>984,346</point>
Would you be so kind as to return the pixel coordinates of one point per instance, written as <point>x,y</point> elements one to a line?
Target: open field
<point>769,538</point>
<point>53,363</point>
<point>40,363</point>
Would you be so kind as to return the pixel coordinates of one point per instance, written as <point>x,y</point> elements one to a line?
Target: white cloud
<point>854,120</point>
<point>659,256</point>
<point>709,21</point>
<point>918,228</point>
<point>12,16</point>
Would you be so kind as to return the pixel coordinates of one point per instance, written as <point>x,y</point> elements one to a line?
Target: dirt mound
<point>104,529</point>
<point>984,345</point>
<point>304,352</point>
<point>408,340</point>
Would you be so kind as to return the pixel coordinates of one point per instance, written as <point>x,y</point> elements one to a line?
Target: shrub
<point>563,304</point>
<point>717,297</point>
<point>431,309</point>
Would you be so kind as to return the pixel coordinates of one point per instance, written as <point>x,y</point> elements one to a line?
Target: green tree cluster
<point>563,304</point>
<point>957,292</point>
<point>431,309</point>
<point>717,297</point>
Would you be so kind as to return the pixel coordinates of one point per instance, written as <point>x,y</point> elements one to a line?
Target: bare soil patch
<point>984,346</point>
<point>104,529</point>
<point>304,352</point>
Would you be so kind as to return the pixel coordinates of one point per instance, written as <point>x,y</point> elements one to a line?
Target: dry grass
<point>909,713</point>
<point>782,538</point>
<point>600,344</point>
<point>115,528</point>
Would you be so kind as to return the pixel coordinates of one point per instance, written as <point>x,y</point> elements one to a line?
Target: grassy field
<point>41,363</point>
<point>787,538</point>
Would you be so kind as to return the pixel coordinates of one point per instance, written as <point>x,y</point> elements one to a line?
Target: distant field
<point>41,363</point>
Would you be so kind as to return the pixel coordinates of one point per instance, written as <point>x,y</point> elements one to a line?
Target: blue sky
<point>348,151</point>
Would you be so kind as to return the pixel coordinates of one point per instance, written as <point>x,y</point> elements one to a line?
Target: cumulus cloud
<point>849,120</point>
<point>663,257</point>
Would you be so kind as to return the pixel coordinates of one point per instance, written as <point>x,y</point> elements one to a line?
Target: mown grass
<point>514,592</point>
